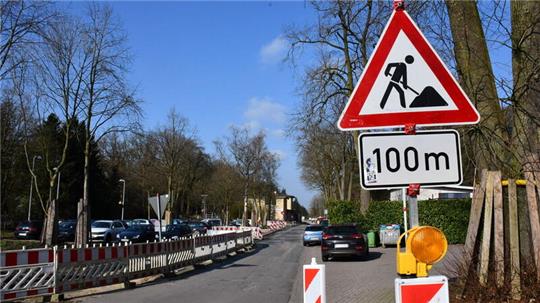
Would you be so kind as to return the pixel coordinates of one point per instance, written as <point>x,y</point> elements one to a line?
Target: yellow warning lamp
<point>425,246</point>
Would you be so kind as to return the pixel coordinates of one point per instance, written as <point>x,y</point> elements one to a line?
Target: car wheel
<point>305,244</point>
<point>325,258</point>
<point>108,239</point>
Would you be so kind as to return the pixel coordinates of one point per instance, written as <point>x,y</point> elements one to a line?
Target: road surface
<point>273,273</point>
<point>265,275</point>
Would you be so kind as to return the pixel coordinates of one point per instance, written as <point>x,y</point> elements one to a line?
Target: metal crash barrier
<point>47,271</point>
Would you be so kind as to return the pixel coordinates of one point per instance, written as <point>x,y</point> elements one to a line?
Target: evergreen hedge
<point>451,216</point>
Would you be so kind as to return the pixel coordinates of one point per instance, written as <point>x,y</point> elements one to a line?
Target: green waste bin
<point>372,240</point>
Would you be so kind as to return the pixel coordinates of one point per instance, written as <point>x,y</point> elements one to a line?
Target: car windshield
<point>314,228</point>
<point>101,224</point>
<point>173,227</point>
<point>341,230</point>
<point>139,226</point>
<point>67,225</point>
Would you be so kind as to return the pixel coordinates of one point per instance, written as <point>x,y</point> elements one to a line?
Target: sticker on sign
<point>396,159</point>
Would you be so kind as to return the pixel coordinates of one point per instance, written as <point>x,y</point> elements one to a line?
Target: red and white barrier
<point>314,282</point>
<point>26,273</point>
<point>79,268</point>
<point>429,289</point>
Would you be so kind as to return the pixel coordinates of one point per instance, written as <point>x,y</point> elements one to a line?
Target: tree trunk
<point>244,214</point>
<point>476,76</point>
<point>526,77</point>
<point>83,221</point>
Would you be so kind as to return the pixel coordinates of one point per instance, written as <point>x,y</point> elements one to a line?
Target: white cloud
<point>265,111</point>
<point>273,51</point>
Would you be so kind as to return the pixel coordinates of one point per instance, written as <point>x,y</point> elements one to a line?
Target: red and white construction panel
<point>314,282</point>
<point>422,290</point>
<point>26,273</point>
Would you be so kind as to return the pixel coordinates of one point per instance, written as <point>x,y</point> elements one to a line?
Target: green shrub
<point>450,216</point>
<point>341,212</point>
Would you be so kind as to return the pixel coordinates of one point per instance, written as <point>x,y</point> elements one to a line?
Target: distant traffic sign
<point>406,82</point>
<point>395,159</point>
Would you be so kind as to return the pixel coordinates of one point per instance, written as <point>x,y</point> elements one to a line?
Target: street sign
<point>159,210</point>
<point>395,159</point>
<point>406,82</point>
<point>422,290</point>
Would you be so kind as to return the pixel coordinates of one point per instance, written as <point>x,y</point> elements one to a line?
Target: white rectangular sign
<point>395,159</point>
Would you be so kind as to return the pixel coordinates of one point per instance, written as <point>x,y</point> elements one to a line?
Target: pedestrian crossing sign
<point>406,82</point>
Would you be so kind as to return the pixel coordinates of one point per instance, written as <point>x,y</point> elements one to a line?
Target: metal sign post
<point>159,216</point>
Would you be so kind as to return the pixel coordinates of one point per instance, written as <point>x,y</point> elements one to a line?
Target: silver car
<point>106,230</point>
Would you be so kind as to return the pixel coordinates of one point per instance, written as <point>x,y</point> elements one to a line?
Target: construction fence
<point>47,271</point>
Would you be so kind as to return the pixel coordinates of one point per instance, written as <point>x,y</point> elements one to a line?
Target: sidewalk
<point>362,281</point>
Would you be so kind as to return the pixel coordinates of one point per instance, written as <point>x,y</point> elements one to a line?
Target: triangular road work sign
<point>406,82</point>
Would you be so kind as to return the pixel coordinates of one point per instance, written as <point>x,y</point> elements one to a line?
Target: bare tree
<point>108,104</point>
<point>250,157</point>
<point>21,24</point>
<point>57,87</point>
<point>342,39</point>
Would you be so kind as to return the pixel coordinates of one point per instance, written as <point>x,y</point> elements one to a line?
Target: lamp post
<point>32,185</point>
<point>123,196</point>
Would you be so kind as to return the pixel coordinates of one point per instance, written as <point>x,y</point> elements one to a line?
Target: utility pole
<point>32,185</point>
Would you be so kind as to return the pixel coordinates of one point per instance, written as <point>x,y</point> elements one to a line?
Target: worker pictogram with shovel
<point>428,97</point>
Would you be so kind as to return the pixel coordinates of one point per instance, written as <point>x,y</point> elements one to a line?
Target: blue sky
<point>218,64</point>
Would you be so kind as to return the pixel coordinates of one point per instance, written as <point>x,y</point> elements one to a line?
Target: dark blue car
<point>137,233</point>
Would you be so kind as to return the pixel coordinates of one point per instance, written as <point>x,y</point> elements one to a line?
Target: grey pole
<point>413,211</point>
<point>32,185</point>
<point>123,196</point>
<point>159,216</point>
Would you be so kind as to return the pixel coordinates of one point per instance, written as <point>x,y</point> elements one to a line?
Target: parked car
<point>199,228</point>
<point>106,230</point>
<point>212,222</point>
<point>313,234</point>
<point>66,231</point>
<point>140,221</point>
<point>343,240</point>
<point>237,223</point>
<point>28,230</point>
<point>175,231</point>
<point>137,233</point>
<point>178,221</point>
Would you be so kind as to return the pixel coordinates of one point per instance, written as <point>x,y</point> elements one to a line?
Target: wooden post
<point>533,218</point>
<point>498,229</point>
<point>486,235</point>
<point>474,219</point>
<point>515,278</point>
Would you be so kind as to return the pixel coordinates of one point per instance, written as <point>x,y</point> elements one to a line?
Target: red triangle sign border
<point>350,118</point>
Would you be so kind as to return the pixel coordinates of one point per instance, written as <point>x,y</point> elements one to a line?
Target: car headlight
<point>118,236</point>
<point>136,237</point>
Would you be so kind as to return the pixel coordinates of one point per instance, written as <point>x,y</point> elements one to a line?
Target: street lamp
<point>123,196</point>
<point>32,185</point>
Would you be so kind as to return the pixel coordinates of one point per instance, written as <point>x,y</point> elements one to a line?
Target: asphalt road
<point>265,275</point>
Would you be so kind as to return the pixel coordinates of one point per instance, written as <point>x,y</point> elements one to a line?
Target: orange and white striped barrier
<point>314,282</point>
